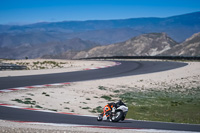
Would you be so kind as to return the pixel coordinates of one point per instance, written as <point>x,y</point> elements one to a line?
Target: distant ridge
<point>14,39</point>
<point>50,48</point>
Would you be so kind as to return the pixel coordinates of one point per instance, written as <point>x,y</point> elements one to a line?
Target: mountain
<point>190,47</point>
<point>50,48</point>
<point>146,45</point>
<point>178,27</point>
<point>152,44</point>
<point>32,40</point>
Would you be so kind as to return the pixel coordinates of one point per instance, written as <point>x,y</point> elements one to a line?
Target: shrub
<point>116,91</point>
<point>98,109</point>
<point>86,108</point>
<point>38,106</point>
<point>101,88</point>
<point>106,97</point>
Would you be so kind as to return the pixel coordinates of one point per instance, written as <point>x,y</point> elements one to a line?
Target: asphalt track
<point>125,69</point>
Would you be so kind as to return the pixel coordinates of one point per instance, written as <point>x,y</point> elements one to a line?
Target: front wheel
<point>117,116</point>
<point>99,118</point>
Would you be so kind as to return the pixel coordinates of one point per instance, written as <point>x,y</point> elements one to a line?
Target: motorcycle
<point>118,113</point>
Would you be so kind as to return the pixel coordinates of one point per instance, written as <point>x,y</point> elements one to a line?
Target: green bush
<point>101,88</point>
<point>38,106</point>
<point>98,109</point>
<point>116,91</point>
<point>106,97</point>
<point>26,101</point>
<point>86,108</point>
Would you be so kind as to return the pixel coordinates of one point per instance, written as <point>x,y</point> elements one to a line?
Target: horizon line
<point>32,23</point>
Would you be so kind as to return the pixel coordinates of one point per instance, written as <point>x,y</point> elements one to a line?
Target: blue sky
<point>32,11</point>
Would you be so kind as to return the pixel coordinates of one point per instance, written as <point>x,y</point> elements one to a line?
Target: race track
<point>125,69</point>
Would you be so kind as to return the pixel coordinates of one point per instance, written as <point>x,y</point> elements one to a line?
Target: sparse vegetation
<point>101,88</point>
<point>53,110</point>
<point>38,106</point>
<point>18,100</point>
<point>47,95</point>
<point>85,107</point>
<point>30,94</point>
<point>116,91</point>
<point>98,109</point>
<point>106,97</point>
<point>88,99</point>
<point>36,65</point>
<point>170,105</point>
<point>26,101</point>
<point>44,93</point>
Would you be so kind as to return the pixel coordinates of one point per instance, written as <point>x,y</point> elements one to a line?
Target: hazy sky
<point>32,11</point>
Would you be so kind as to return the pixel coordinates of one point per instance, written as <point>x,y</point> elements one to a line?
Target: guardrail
<point>150,57</point>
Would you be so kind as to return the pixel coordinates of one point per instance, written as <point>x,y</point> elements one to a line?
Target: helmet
<point>106,108</point>
<point>120,101</point>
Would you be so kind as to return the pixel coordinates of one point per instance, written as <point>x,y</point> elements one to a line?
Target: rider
<point>109,108</point>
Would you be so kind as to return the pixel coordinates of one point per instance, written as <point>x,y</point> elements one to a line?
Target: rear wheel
<point>118,116</point>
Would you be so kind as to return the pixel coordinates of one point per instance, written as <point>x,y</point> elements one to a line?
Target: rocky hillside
<point>152,44</point>
<point>146,45</point>
<point>190,47</point>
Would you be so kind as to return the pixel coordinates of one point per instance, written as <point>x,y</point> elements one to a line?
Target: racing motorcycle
<point>118,113</point>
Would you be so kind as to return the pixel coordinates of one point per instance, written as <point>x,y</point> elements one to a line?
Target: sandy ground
<point>84,97</point>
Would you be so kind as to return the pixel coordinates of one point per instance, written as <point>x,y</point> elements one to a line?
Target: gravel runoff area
<point>87,94</point>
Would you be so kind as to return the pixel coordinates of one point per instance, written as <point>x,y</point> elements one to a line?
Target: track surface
<point>125,69</point>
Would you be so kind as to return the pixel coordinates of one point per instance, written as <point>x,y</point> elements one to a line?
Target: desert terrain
<point>87,97</point>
